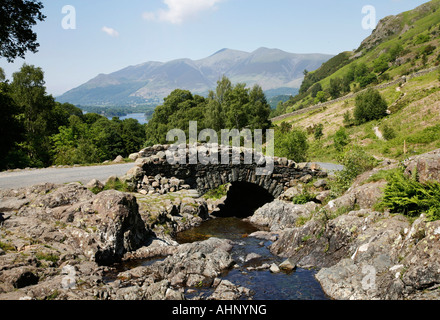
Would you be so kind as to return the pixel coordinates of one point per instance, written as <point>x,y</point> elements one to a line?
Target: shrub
<point>341,139</point>
<point>388,132</point>
<point>370,105</point>
<point>404,194</point>
<point>355,161</point>
<point>292,145</point>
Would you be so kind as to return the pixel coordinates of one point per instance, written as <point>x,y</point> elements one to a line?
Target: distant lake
<point>138,116</point>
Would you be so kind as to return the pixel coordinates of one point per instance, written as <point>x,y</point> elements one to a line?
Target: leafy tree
<point>335,87</point>
<point>369,106</point>
<point>17,17</point>
<point>315,89</point>
<point>321,97</point>
<point>29,93</point>
<point>11,130</point>
<point>292,145</point>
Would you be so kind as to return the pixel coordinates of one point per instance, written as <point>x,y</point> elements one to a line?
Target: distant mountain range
<point>276,71</point>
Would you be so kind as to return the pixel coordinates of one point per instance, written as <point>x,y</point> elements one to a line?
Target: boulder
<point>116,224</point>
<point>427,166</point>
<point>118,159</point>
<point>133,156</point>
<point>280,215</point>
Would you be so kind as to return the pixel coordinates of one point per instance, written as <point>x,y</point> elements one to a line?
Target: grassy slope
<point>413,119</point>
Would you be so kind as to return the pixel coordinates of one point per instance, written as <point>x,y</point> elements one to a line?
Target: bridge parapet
<point>154,172</point>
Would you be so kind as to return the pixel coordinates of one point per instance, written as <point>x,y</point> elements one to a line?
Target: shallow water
<point>297,285</point>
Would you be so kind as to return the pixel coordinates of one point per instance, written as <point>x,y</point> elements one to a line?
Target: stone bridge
<point>153,173</point>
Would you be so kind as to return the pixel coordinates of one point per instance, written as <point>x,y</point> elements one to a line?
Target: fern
<point>406,195</point>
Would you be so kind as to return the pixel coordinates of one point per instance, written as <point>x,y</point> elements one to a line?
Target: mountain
<point>150,82</point>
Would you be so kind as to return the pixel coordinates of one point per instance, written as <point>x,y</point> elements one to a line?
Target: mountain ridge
<point>150,82</point>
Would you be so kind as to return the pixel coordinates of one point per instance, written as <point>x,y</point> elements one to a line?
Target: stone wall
<point>155,174</point>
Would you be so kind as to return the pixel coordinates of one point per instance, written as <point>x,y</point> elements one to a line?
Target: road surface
<point>25,178</point>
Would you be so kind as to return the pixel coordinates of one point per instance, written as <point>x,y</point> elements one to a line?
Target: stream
<point>296,285</point>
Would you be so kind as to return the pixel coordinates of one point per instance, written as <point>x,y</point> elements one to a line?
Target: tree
<point>341,139</point>
<point>369,106</point>
<point>293,145</point>
<point>17,17</point>
<point>29,93</point>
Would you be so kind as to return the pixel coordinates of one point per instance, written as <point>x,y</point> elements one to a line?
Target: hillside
<point>406,45</point>
<point>274,70</point>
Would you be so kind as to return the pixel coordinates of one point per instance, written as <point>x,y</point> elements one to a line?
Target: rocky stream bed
<point>64,242</point>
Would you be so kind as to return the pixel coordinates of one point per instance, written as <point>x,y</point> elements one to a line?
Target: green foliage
<point>17,17</point>
<point>47,257</point>
<point>321,96</point>
<point>39,132</point>
<point>118,185</point>
<point>304,198</point>
<point>324,71</point>
<point>319,131</point>
<point>292,145</point>
<point>7,247</point>
<point>218,193</point>
<point>422,38</point>
<point>388,132</point>
<point>404,194</point>
<point>355,161</point>
<point>228,107</point>
<point>341,139</point>
<point>369,106</point>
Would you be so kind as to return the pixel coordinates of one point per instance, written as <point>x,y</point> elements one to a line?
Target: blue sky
<point>110,35</point>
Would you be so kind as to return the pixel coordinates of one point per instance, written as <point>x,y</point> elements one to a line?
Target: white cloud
<point>110,31</point>
<point>180,10</point>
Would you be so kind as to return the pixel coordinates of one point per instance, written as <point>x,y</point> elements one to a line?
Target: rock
<point>95,185</point>
<point>119,159</point>
<point>306,179</point>
<point>252,256</point>
<point>20,277</point>
<point>274,268</point>
<point>321,183</point>
<point>280,215</point>
<point>226,290</point>
<point>119,228</point>
<point>287,265</point>
<point>426,165</point>
<point>9,204</point>
<point>291,193</point>
<point>133,156</point>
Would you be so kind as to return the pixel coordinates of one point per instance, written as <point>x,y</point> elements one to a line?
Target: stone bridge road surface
<point>26,178</point>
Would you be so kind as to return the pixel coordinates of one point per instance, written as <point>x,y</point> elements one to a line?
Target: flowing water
<point>297,285</point>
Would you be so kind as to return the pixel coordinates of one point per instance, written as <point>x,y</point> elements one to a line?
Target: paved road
<point>24,178</point>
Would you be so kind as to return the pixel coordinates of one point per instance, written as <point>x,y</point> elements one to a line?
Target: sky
<point>82,38</point>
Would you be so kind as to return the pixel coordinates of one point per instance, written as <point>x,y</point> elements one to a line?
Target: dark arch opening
<point>243,199</point>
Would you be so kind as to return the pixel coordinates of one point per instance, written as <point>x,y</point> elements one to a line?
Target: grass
<point>218,193</point>
<point>7,247</point>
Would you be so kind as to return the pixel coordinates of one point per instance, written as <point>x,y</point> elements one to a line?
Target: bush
<point>292,145</point>
<point>370,106</point>
<point>341,139</point>
<point>355,161</point>
<point>388,132</point>
<point>404,194</point>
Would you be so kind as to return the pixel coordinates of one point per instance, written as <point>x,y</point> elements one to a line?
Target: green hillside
<point>404,45</point>
<point>400,45</point>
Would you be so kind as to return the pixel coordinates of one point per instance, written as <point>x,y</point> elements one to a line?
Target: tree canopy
<point>17,17</point>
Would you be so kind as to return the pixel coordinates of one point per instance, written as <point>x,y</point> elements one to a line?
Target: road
<point>24,178</point>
